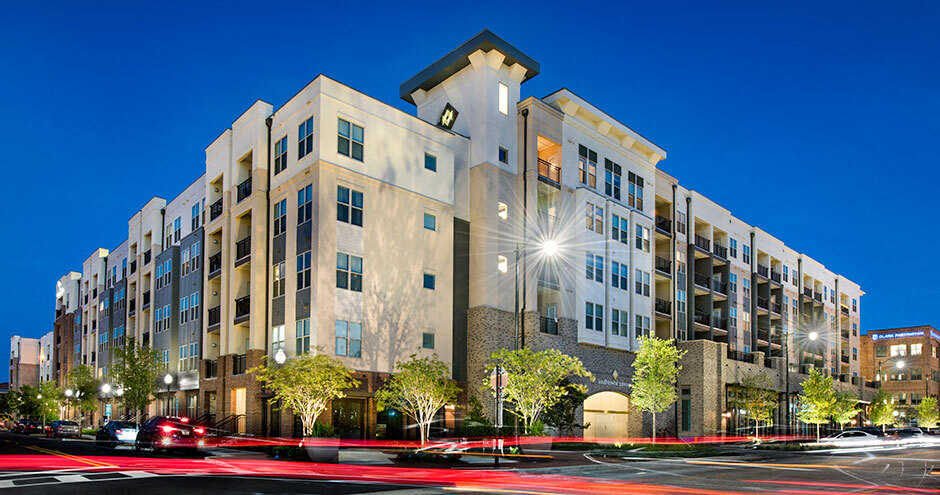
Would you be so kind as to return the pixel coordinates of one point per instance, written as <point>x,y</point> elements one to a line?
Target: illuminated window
<point>898,350</point>
<point>502,263</point>
<point>278,279</point>
<point>916,349</point>
<point>503,99</point>
<point>587,166</point>
<point>502,210</point>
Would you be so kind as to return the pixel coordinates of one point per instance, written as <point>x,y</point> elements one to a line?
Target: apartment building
<point>67,316</point>
<point>24,362</point>
<point>46,358</point>
<point>903,361</point>
<point>84,336</point>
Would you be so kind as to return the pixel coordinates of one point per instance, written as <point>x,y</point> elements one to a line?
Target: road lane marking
<point>770,465</point>
<point>90,462</point>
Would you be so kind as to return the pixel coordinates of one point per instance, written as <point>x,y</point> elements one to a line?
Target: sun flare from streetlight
<point>813,336</point>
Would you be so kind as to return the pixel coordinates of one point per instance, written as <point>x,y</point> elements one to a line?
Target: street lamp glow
<point>106,389</point>
<point>168,379</point>
<point>813,335</point>
<point>550,248</point>
<point>900,365</point>
<point>68,392</point>
<point>280,357</point>
<point>39,396</point>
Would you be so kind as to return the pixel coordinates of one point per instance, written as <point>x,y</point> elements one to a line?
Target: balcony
<point>215,210</point>
<point>86,298</point>
<point>808,292</point>
<point>133,267</point>
<point>242,309</point>
<point>719,322</point>
<point>702,318</point>
<point>817,296</point>
<point>147,257</point>
<point>845,334</point>
<point>549,173</point>
<point>663,306</point>
<point>845,359</point>
<point>146,303</point>
<point>845,310</point>
<point>242,250</point>
<point>215,316</point>
<point>94,325</point>
<point>701,280</point>
<point>721,251</point>
<point>663,224</point>
<point>548,325</point>
<point>132,306</point>
<point>239,364</point>
<point>775,275</point>
<point>763,271</point>
<point>762,303</point>
<point>212,368</point>
<point>215,265</point>
<point>94,293</point>
<point>703,243</point>
<point>719,286</point>
<point>775,307</point>
<point>243,190</point>
<point>663,265</point>
<point>740,356</point>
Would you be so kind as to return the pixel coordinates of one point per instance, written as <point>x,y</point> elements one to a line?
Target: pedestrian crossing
<point>24,479</point>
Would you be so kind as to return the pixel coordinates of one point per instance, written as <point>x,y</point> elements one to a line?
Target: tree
<point>534,380</point>
<point>927,414</point>
<point>756,397</point>
<point>817,400</point>
<point>136,372</point>
<point>419,387</point>
<point>84,386</point>
<point>562,414</point>
<point>306,384</point>
<point>50,397</point>
<point>882,409</point>
<point>27,402</point>
<point>844,408</point>
<point>655,370</point>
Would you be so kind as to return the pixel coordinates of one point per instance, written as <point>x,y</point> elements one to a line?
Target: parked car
<point>169,432</point>
<point>874,430</point>
<point>115,433</point>
<point>852,438</point>
<point>27,426</point>
<point>62,428</point>
<point>908,434</point>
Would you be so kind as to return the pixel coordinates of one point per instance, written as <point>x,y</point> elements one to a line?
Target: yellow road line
<point>747,464</point>
<point>71,457</point>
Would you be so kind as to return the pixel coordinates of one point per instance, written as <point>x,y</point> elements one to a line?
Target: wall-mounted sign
<point>935,335</point>
<point>896,335</point>
<point>448,117</point>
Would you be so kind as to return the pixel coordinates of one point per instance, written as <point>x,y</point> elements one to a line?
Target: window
<point>502,263</point>
<point>349,205</point>
<point>612,179</point>
<point>304,204</point>
<point>350,140</point>
<point>619,229</point>
<point>747,288</point>
<point>786,272</point>
<point>430,162</point>
<point>277,338</point>
<point>898,350</point>
<point>280,217</point>
<point>793,279</point>
<point>732,317</point>
<point>854,354</point>
<point>502,210</point>
<point>124,265</point>
<point>429,281</point>
<point>280,154</point>
<point>680,301</point>
<point>594,219</point>
<point>303,336</point>
<point>348,338</point>
<point>594,267</point>
<point>279,279</point>
<point>686,409</point>
<point>747,254</point>
<point>915,398</point>
<point>427,340</point>
<point>643,238</point>
<point>587,166</point>
<point>303,270</point>
<point>503,99</point>
<point>642,326</point>
<point>916,349</point>
<point>854,306</point>
<point>594,316</point>
<point>304,138</point>
<point>733,248</point>
<point>619,323</point>
<point>855,329</point>
<point>177,229</point>
<point>503,155</point>
<point>430,221</point>
<point>619,276</point>
<point>183,357</point>
<point>680,222</point>
<point>635,193</point>
<point>196,218</point>
<point>881,351</point>
<point>348,272</point>
<point>197,255</point>
<point>184,310</point>
<point>642,282</point>
<point>733,282</point>
<point>193,306</point>
<point>184,265</point>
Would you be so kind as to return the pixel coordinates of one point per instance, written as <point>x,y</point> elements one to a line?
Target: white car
<point>852,438</point>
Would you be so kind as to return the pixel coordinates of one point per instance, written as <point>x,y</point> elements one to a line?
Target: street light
<point>168,380</point>
<point>813,336</point>
<point>105,389</point>
<point>68,392</point>
<point>280,357</point>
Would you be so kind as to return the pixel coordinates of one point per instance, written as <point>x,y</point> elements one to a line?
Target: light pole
<point>68,400</point>
<point>42,412</point>
<point>168,380</point>
<point>106,392</point>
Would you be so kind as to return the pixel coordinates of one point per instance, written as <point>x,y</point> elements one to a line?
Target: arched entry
<point>606,414</point>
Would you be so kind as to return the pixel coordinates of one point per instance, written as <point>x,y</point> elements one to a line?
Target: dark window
<point>280,155</point>
<point>304,139</point>
<point>430,162</point>
<point>349,205</point>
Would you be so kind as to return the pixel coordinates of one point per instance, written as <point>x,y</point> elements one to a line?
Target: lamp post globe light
<point>280,357</point>
<point>168,380</point>
<point>105,389</point>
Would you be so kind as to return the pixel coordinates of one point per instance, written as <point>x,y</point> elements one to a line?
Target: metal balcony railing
<point>146,303</point>
<point>663,306</point>
<point>721,251</point>
<point>762,303</point>
<point>549,325</point>
<point>243,190</point>
<point>845,334</point>
<point>702,243</point>
<point>740,356</point>
<point>719,286</point>
<point>663,265</point>
<point>242,306</point>
<point>663,224</point>
<point>845,310</point>
<point>775,307</point>
<point>243,248</point>
<point>147,257</point>
<point>817,296</point>
<point>701,280</point>
<point>845,359</point>
<point>808,292</point>
<point>550,172</point>
<point>763,271</point>
<point>215,262</point>
<point>702,318</point>
<point>774,275</point>
<point>215,210</point>
<point>719,322</point>
<point>133,267</point>
<point>215,315</point>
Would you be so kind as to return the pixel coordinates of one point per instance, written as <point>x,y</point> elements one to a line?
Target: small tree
<point>136,371</point>
<point>756,397</point>
<point>49,401</point>
<point>419,387</point>
<point>84,385</point>
<point>844,408</point>
<point>817,400</point>
<point>534,380</point>
<point>655,370</point>
<point>882,409</point>
<point>27,402</point>
<point>927,414</point>
<point>562,415</point>
<point>306,384</point>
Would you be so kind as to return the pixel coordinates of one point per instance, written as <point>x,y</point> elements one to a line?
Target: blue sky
<point>817,124</point>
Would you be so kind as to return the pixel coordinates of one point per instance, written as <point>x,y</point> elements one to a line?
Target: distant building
<point>904,361</point>
<point>24,362</point>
